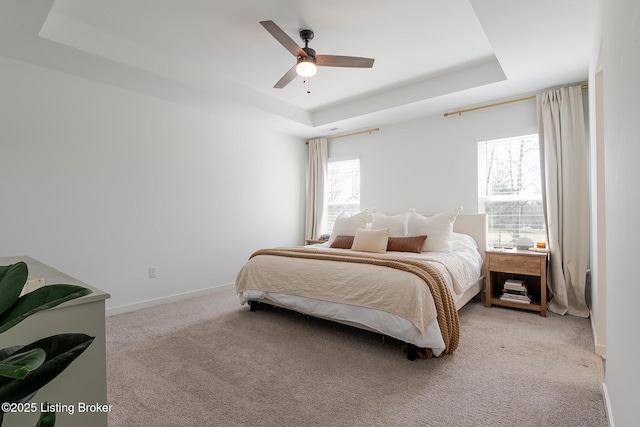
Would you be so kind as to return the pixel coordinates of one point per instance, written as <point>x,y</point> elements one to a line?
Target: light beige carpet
<point>210,362</point>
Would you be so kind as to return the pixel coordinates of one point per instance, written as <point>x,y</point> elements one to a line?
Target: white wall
<point>621,89</point>
<point>102,183</point>
<point>430,164</point>
<point>598,255</point>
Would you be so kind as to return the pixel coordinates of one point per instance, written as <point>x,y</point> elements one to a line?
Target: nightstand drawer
<point>515,264</point>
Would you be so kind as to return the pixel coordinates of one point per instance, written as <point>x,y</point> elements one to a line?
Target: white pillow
<point>438,229</point>
<point>371,240</point>
<point>348,225</point>
<point>463,240</point>
<point>397,224</point>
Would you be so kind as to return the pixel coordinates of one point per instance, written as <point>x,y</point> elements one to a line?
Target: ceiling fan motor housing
<point>310,58</point>
<point>306,35</point>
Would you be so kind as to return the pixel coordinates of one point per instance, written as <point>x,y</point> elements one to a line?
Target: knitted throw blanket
<point>447,314</point>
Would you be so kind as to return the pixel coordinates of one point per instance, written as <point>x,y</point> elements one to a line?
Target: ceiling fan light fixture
<point>306,66</point>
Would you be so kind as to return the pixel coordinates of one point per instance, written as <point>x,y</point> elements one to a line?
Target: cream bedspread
<point>417,290</point>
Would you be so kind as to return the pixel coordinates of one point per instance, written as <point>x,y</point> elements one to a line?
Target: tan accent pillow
<point>348,225</point>
<point>342,242</point>
<point>406,244</point>
<point>371,240</point>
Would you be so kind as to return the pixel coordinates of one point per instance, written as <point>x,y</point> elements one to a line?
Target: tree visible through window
<point>510,189</point>
<point>343,192</point>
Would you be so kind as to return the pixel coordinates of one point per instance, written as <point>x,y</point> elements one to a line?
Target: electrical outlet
<point>153,272</point>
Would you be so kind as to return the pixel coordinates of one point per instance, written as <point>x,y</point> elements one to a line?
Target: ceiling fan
<point>307,58</point>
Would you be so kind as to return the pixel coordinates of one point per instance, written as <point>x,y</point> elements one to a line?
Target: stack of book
<point>515,290</point>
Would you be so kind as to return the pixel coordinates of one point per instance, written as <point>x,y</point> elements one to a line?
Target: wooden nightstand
<point>529,266</point>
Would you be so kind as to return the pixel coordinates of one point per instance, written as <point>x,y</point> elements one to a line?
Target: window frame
<point>354,206</point>
<point>531,204</point>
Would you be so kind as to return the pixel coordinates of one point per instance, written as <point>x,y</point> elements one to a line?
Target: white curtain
<point>316,180</point>
<point>565,194</point>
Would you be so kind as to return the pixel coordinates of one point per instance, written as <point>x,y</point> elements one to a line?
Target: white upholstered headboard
<point>475,225</point>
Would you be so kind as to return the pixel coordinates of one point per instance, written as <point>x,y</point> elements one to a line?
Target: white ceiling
<point>430,55</point>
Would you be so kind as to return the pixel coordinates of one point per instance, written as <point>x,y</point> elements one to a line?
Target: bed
<point>381,291</point>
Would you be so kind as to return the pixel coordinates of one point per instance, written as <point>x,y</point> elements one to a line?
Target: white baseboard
<point>165,300</point>
<point>607,405</point>
<point>601,350</point>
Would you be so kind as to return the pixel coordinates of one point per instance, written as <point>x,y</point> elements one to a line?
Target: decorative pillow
<point>438,227</point>
<point>397,224</point>
<point>342,242</point>
<point>371,240</point>
<point>348,225</point>
<point>406,244</point>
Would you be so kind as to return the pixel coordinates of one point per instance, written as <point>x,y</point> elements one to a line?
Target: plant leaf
<point>61,350</point>
<point>47,419</point>
<point>40,299</point>
<point>19,365</point>
<point>6,352</point>
<point>12,280</point>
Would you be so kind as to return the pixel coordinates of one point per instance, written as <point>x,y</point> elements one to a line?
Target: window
<point>510,189</point>
<point>343,192</point>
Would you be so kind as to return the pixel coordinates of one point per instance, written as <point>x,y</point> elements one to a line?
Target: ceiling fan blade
<point>343,61</point>
<point>283,38</point>
<point>287,78</point>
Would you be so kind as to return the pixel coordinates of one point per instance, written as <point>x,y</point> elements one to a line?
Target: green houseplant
<point>24,369</point>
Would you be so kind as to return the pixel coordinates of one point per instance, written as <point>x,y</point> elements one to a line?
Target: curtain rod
<point>350,134</point>
<point>459,112</point>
